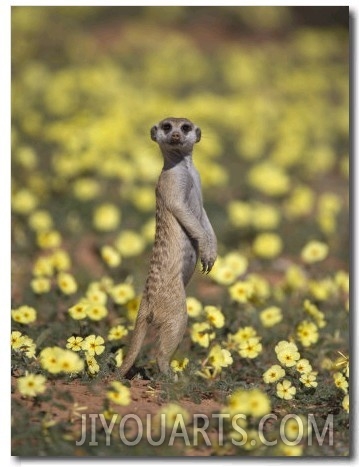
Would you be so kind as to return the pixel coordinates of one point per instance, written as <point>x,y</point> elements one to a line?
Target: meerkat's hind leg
<point>170,336</point>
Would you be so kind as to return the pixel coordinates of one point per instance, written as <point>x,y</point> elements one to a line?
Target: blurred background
<point>269,87</point>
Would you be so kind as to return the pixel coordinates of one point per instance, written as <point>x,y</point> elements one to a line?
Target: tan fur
<point>183,234</point>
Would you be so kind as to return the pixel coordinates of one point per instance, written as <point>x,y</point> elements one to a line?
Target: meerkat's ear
<point>154,133</point>
<point>198,134</point>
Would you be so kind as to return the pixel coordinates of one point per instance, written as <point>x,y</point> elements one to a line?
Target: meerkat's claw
<point>204,267</point>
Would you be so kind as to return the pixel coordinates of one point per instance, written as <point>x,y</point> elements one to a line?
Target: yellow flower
<point>271,316</point>
<point>92,366</point>
<point>284,449</point>
<point>202,334</point>
<point>329,203</point>
<point>111,256</point>
<point>248,402</point>
<point>69,362</point>
<point>267,245</point>
<point>287,353</point>
<point>295,278</point>
<point>56,360</point>
<point>28,347</point>
<point>86,188</point>
<point>61,260</point>
<point>24,314</point>
<point>303,366</point>
<point>269,179</point>
<point>307,333</point>
<point>265,216</point>
<point>49,239</point>
<point>66,283</point>
<point>148,230</point>
<point>122,293</point>
<point>314,251</point>
<point>31,385</point>
<point>43,267</point>
<point>300,203</point>
<point>119,357</point>
<point>24,201</point>
<point>242,335</point>
<point>143,198</point>
<point>322,289</point>
<point>93,345</point>
<point>238,403</point>
<point>219,358</point>
<point>106,217</point>
<point>95,295</point>
<point>49,357</point>
<point>261,287</point>
<point>285,390</point>
<point>345,403</point>
<point>341,382</point>
<point>223,274</point>
<point>214,316</point>
<point>74,343</point>
<point>172,412</point>
<point>258,403</point>
<point>96,311</point>
<point>78,311</point>
<point>237,262</point>
<point>40,220</point>
<point>250,348</point>
<point>315,313</point>
<point>273,374</point>
<point>178,366</point>
<point>239,213</point>
<point>117,332</point>
<point>16,340</point>
<point>194,307</point>
<point>27,157</point>
<point>22,343</point>
<point>129,243</point>
<point>342,281</point>
<point>132,308</point>
<point>241,291</point>
<point>309,379</point>
<point>296,427</point>
<point>120,395</point>
<point>285,344</point>
<point>40,285</point>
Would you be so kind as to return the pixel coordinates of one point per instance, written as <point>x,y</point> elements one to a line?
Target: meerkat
<point>183,235</point>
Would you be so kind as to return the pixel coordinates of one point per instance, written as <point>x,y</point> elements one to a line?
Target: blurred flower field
<point>268,329</point>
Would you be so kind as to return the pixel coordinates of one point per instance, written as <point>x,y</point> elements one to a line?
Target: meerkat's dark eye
<point>166,127</point>
<point>186,128</point>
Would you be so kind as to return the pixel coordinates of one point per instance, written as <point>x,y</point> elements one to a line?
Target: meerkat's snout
<point>175,137</point>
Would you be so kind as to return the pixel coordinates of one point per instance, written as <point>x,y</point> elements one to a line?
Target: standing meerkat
<point>183,234</point>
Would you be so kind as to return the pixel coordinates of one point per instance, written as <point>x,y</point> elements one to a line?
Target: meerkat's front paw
<point>206,266</point>
<point>208,260</point>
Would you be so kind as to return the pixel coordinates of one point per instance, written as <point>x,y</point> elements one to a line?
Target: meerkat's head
<point>176,133</point>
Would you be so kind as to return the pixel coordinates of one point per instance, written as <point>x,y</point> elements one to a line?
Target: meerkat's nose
<point>175,136</point>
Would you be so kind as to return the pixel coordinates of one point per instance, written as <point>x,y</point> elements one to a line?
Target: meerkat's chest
<point>194,198</point>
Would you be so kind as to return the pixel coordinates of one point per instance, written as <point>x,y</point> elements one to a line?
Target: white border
<point>5,252</point>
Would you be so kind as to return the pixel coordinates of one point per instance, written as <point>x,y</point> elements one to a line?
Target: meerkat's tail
<point>135,346</point>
